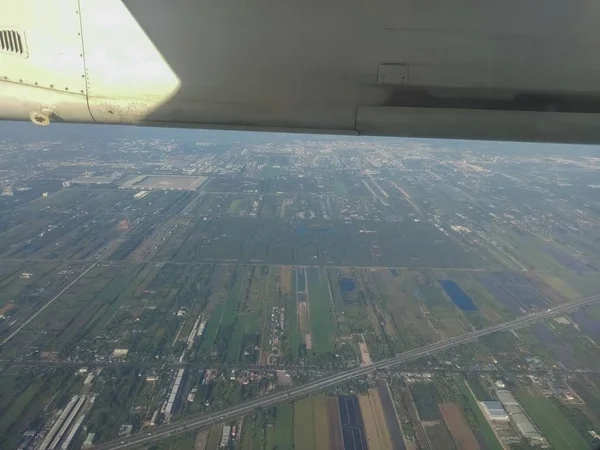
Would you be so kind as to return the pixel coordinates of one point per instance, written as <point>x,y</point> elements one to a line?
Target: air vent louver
<point>11,41</point>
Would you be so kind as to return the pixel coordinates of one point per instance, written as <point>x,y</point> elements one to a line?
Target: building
<point>500,384</point>
<point>154,418</point>
<point>125,430</point>
<point>120,352</point>
<point>89,440</point>
<point>89,379</point>
<point>506,398</point>
<point>518,418</point>
<point>494,411</point>
<point>524,426</point>
<point>225,436</point>
<point>140,194</point>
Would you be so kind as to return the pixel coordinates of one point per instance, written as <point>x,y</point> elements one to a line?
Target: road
<point>204,420</point>
<point>230,262</point>
<point>52,300</point>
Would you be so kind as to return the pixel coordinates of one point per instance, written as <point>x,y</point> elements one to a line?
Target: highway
<point>204,420</point>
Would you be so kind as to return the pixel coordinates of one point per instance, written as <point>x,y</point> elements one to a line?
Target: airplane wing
<point>507,70</point>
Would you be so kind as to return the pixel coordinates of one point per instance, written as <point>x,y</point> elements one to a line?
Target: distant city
<point>191,290</point>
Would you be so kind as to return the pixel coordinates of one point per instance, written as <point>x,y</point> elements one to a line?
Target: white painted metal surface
<point>127,76</point>
<point>51,76</point>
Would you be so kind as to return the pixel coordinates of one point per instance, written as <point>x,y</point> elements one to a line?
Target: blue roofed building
<point>494,410</point>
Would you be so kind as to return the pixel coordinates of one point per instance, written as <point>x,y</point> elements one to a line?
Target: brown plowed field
<point>459,429</point>
<point>335,426</point>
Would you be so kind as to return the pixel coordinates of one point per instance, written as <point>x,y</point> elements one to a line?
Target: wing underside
<point>509,70</point>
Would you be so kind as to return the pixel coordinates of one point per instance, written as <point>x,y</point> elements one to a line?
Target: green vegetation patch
<point>304,426</point>
<point>477,388</point>
<point>433,296</point>
<point>284,427</point>
<point>223,322</point>
<point>231,305</point>
<point>293,336</point>
<point>11,415</point>
<point>322,322</point>
<point>251,433</point>
<point>235,206</point>
<point>340,188</point>
<point>235,342</point>
<point>561,286</point>
<point>426,399</point>
<point>212,328</point>
<point>214,436</point>
<point>550,421</point>
<point>439,436</point>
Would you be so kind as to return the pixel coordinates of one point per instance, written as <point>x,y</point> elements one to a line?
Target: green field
<point>214,436</point>
<point>284,428</point>
<point>550,421</point>
<point>426,399</point>
<point>336,293</point>
<point>440,437</point>
<point>224,320</point>
<point>251,433</point>
<point>304,425</point>
<point>560,286</point>
<point>233,298</point>
<point>212,328</point>
<point>321,423</point>
<point>235,342</point>
<point>291,311</point>
<point>586,284</point>
<point>433,296</point>
<point>340,188</point>
<point>477,388</point>
<point>322,322</point>
<point>235,206</point>
<point>30,394</point>
<point>10,416</point>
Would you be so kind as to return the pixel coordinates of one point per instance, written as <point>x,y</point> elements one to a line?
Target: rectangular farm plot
<point>461,434</point>
<point>386,404</point>
<point>317,424</point>
<point>220,328</point>
<point>304,425</point>
<point>426,399</point>
<point>376,430</point>
<point>409,319</point>
<point>332,408</point>
<point>550,421</point>
<point>322,323</point>
<point>321,425</point>
<point>352,424</point>
<point>284,435</point>
<point>513,292</point>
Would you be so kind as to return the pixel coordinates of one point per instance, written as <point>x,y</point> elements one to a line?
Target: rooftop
<point>494,410</point>
<point>506,398</point>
